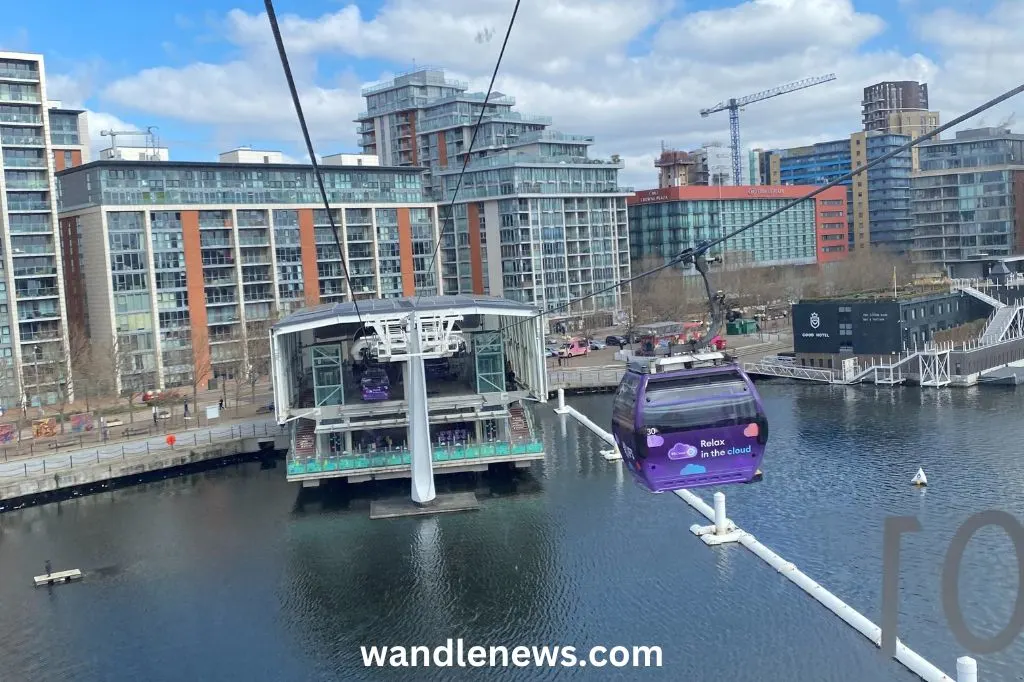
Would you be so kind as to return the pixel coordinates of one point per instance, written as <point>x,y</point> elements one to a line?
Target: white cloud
<point>630,74</point>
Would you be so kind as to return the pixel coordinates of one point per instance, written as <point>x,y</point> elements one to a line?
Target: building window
<point>845,329</point>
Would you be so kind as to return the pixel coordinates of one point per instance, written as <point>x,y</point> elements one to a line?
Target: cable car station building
<point>405,386</point>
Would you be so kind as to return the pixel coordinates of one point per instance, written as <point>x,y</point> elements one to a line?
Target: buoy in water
<point>919,479</point>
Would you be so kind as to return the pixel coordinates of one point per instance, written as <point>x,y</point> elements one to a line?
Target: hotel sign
<point>653,196</point>
<point>766,191</point>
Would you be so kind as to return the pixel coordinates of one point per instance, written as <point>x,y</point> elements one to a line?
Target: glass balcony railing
<point>28,206</point>
<point>6,117</point>
<point>20,74</point>
<point>20,162</point>
<point>49,292</point>
<point>27,97</point>
<point>350,461</point>
<point>29,185</point>
<point>33,250</point>
<point>29,140</point>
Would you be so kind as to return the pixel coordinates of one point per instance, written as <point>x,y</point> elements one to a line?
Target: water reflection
<point>233,574</point>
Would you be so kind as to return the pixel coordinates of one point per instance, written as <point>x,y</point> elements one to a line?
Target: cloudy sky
<point>634,74</point>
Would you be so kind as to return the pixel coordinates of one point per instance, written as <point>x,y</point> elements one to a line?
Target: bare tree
<point>669,295</point>
<point>83,366</point>
<point>869,270</point>
<point>63,383</point>
<point>202,369</point>
<point>123,373</point>
<point>258,357</point>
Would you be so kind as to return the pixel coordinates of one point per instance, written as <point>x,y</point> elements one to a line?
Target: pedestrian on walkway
<point>154,415</point>
<point>186,408</point>
<point>220,403</point>
<point>49,568</point>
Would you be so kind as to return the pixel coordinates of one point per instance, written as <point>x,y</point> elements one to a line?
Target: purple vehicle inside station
<point>375,385</point>
<point>689,421</point>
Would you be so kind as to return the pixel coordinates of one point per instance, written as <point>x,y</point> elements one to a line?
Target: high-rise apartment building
<point>968,198</point>
<point>185,264</point>
<point>883,101</point>
<point>664,222</point>
<point>899,108</point>
<point>536,220</point>
<point>69,136</point>
<point>33,362</point>
<point>878,207</point>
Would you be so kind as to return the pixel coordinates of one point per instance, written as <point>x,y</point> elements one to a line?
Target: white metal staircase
<point>1006,323</point>
<point>967,286</point>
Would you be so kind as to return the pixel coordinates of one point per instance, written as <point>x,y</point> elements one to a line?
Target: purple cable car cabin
<point>375,385</point>
<point>689,422</point>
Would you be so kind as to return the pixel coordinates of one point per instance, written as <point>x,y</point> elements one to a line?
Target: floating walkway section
<point>59,577</point>
<point>722,531</point>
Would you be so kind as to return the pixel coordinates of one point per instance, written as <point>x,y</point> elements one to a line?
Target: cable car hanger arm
<point>695,256</point>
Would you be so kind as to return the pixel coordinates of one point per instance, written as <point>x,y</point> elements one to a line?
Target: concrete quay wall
<point>40,483</point>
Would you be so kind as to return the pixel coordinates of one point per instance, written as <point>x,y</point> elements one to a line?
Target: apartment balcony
<point>25,185</point>
<point>24,294</point>
<point>38,315</point>
<point>33,250</point>
<point>19,98</point>
<point>23,75</point>
<point>28,206</point>
<point>21,119</point>
<point>34,270</point>
<point>18,162</point>
<point>23,141</point>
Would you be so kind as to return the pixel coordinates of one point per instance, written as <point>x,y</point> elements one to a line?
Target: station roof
<point>345,313</point>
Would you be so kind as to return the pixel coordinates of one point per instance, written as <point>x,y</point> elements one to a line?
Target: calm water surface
<point>227,575</point>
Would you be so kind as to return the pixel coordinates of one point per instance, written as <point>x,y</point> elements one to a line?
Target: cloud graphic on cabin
<point>655,441</point>
<point>691,469</point>
<point>682,451</point>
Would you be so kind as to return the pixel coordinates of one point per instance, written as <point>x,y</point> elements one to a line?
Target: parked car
<point>597,345</point>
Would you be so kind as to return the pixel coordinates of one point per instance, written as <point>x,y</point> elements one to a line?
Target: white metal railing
<point>967,286</point>
<point>790,371</point>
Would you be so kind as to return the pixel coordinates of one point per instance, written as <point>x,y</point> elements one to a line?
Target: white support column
<point>723,531</point>
<point>966,669</point>
<point>561,402</point>
<point>419,419</point>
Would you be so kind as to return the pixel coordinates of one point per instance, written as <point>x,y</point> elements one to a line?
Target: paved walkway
<point>142,426</point>
<point>34,465</point>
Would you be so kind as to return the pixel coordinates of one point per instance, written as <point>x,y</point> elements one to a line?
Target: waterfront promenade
<point>600,371</point>
<point>31,475</point>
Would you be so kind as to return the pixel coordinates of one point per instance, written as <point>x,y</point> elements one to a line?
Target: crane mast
<point>735,104</point>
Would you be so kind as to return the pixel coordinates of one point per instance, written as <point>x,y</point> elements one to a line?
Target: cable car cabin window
<point>624,405</point>
<point>698,402</point>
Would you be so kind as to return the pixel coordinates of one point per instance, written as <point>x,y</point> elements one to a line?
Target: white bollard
<point>561,398</point>
<point>720,519</point>
<point>966,669</point>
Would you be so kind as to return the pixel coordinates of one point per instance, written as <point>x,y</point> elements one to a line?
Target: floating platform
<point>59,577</point>
<point>399,507</point>
<point>1004,376</point>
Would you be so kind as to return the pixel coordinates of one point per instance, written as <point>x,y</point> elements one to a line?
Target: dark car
<point>616,340</point>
